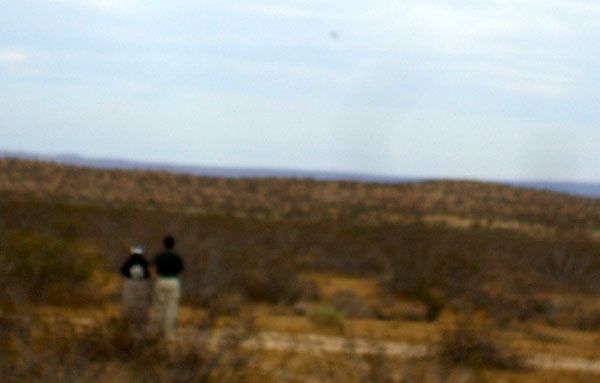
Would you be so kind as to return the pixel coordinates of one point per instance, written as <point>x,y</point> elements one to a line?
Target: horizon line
<point>273,172</point>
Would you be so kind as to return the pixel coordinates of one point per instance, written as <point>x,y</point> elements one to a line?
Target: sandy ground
<point>317,344</point>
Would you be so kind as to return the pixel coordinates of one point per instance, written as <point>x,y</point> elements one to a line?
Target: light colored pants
<point>166,300</point>
<point>135,301</point>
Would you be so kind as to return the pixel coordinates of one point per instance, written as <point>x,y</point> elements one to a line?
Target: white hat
<point>137,249</point>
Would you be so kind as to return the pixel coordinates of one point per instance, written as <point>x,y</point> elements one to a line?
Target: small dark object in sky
<point>334,35</point>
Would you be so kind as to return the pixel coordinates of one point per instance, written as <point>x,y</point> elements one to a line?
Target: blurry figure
<point>334,35</point>
<point>136,287</point>
<point>166,268</point>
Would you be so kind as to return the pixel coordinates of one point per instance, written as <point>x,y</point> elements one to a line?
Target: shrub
<point>37,351</point>
<point>581,314</point>
<point>44,268</point>
<point>505,308</point>
<point>255,273</point>
<point>327,316</point>
<point>571,262</point>
<point>471,341</point>
<point>378,369</point>
<point>351,305</point>
<point>225,304</point>
<point>34,350</point>
<point>429,269</point>
<point>389,309</point>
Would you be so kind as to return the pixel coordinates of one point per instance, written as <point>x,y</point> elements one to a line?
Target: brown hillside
<point>297,199</point>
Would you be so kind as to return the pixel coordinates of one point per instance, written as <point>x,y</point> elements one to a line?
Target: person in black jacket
<point>136,298</point>
<point>136,266</point>
<point>167,267</point>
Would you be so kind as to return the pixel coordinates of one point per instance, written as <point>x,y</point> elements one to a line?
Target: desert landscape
<point>256,191</point>
<point>296,280</point>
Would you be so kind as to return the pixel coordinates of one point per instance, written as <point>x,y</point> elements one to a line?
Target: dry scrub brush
<point>38,350</point>
<point>471,340</point>
<point>250,259</point>
<point>41,268</point>
<point>296,199</point>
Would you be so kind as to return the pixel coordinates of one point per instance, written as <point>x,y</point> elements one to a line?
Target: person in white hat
<point>136,298</point>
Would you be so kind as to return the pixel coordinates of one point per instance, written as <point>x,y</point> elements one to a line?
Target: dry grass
<point>472,341</point>
<point>298,199</point>
<point>403,253</point>
<point>351,368</point>
<point>37,350</point>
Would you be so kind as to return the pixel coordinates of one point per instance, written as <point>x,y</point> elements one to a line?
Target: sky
<point>505,90</point>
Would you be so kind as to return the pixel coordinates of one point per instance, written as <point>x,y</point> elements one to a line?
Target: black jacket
<point>135,259</point>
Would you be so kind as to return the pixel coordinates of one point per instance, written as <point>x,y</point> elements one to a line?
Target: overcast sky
<point>469,89</point>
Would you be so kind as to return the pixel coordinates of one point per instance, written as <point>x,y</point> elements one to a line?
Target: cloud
<point>285,11</point>
<point>548,90</point>
<point>439,28</point>
<point>13,56</point>
<point>112,6</point>
<point>16,62</point>
<point>541,81</point>
<point>314,10</point>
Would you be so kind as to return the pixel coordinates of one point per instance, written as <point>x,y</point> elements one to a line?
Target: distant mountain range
<point>585,189</point>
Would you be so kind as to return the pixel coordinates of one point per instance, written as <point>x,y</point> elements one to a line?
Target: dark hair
<point>169,242</point>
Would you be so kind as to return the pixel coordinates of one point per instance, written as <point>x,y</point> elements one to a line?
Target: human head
<point>169,242</point>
